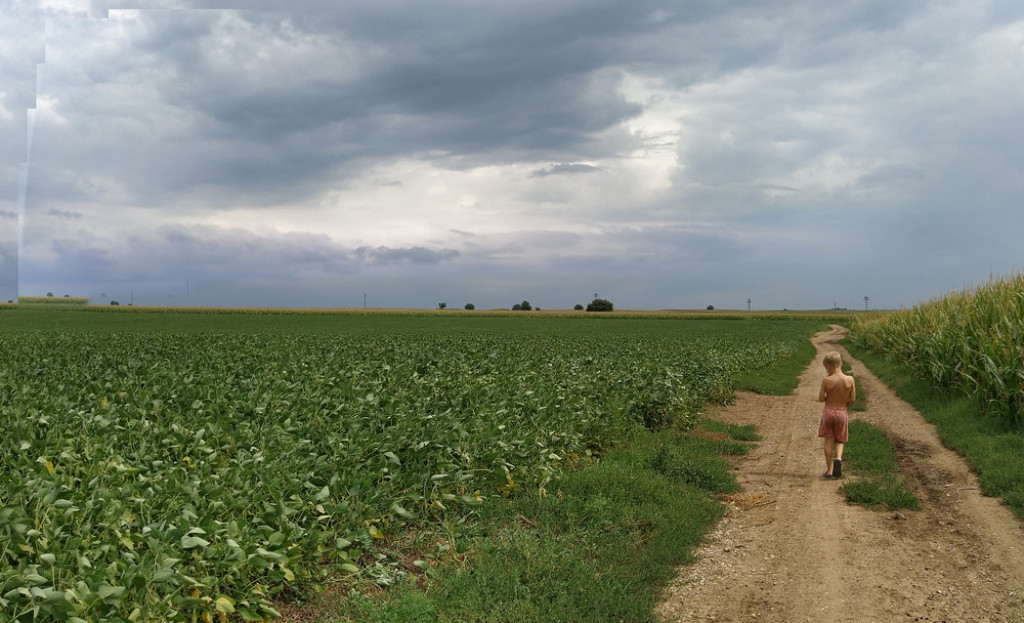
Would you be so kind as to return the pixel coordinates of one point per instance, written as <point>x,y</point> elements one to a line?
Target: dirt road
<point>802,554</point>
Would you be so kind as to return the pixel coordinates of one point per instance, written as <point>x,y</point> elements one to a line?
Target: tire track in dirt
<point>791,550</point>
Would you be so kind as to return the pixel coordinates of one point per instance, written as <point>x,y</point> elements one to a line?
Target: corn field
<point>970,342</point>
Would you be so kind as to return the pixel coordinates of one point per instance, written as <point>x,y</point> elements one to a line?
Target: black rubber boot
<point>837,468</point>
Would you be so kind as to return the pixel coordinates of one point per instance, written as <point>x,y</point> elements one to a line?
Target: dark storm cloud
<point>274,100</point>
<point>278,99</point>
<point>477,83</point>
<point>566,168</point>
<point>729,138</point>
<point>221,253</point>
<point>65,214</point>
<point>414,255</point>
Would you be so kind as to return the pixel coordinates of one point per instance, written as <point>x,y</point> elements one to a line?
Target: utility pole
<point>748,304</point>
<point>364,300</point>
<point>866,299</point>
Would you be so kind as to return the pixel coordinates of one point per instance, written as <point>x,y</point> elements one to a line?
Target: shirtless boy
<point>838,391</point>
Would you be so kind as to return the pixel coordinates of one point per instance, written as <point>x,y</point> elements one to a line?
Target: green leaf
<point>225,604</point>
<point>397,509</point>
<point>107,591</point>
<point>190,542</point>
<point>269,555</point>
<point>47,594</point>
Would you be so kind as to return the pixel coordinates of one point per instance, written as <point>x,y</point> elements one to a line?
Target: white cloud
<point>73,7</point>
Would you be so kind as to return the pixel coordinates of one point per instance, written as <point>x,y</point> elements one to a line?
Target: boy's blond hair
<point>833,360</point>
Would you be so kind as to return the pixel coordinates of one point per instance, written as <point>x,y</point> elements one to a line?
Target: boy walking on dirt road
<point>838,391</point>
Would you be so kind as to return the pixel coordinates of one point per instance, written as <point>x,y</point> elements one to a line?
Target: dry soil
<point>791,550</point>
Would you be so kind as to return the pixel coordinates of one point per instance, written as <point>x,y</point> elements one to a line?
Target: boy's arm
<point>822,394</point>
<point>853,392</point>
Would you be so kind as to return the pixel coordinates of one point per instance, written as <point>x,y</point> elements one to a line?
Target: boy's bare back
<point>838,390</point>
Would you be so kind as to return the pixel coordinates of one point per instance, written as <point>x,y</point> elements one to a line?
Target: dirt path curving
<point>797,552</point>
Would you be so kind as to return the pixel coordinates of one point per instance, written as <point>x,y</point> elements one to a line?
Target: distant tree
<point>600,305</point>
<point>49,294</point>
<point>524,306</point>
<point>711,308</point>
<point>442,305</point>
<point>67,296</point>
<point>578,307</point>
<point>114,303</point>
<point>470,306</point>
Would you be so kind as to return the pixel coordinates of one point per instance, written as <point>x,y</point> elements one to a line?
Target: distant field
<point>178,463</point>
<point>51,301</point>
<point>181,317</point>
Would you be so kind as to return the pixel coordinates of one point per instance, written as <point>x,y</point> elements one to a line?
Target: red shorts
<point>834,423</point>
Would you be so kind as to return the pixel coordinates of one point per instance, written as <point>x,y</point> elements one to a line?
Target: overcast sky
<point>800,154</point>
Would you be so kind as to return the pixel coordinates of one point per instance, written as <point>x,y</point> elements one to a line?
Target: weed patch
<point>874,461</point>
<point>598,548</point>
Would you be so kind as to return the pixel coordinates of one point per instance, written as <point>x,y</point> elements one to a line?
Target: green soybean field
<point>183,467</point>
